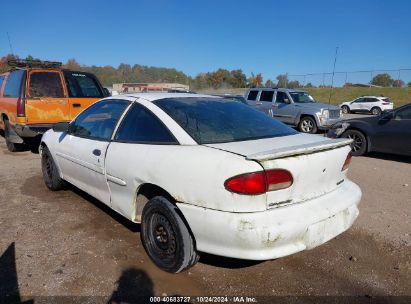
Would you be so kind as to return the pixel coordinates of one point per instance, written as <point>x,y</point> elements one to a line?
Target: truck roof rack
<point>23,63</point>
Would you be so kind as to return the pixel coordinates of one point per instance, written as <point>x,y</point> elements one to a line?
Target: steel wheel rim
<point>162,235</point>
<point>307,125</point>
<point>375,111</point>
<point>345,110</point>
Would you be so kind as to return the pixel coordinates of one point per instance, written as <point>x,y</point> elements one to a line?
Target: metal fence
<point>353,77</point>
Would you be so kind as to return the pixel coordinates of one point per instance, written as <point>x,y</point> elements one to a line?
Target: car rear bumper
<point>32,130</point>
<point>276,232</point>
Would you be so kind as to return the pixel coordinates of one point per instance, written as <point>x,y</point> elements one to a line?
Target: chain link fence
<point>360,78</point>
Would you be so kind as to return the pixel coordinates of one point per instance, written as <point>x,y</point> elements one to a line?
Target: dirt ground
<point>68,244</point>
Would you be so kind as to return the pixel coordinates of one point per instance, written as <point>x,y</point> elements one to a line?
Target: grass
<point>399,96</point>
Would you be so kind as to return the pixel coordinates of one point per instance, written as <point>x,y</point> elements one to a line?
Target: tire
<point>345,109</point>
<point>50,171</point>
<point>166,238</point>
<point>307,125</point>
<point>12,147</point>
<point>359,144</point>
<point>376,111</point>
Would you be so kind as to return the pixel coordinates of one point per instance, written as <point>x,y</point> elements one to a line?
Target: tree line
<point>221,78</point>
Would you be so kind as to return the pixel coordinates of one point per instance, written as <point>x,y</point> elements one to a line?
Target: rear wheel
<point>11,146</point>
<point>345,109</point>
<point>50,171</point>
<point>166,238</point>
<point>307,125</point>
<point>376,111</point>
<point>359,144</point>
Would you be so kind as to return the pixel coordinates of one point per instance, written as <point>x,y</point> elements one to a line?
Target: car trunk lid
<point>315,163</point>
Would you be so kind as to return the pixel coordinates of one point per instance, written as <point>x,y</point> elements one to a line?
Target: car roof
<point>155,96</point>
<point>279,89</point>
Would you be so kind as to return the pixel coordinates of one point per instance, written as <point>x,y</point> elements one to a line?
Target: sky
<point>268,37</point>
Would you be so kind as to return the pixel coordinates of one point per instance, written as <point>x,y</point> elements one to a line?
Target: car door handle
<point>258,103</point>
<point>76,105</point>
<point>97,152</point>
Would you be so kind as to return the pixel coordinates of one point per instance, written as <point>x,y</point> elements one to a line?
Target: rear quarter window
<point>14,83</point>
<point>45,84</point>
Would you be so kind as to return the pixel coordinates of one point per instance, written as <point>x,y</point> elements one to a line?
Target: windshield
<point>215,120</point>
<point>302,97</point>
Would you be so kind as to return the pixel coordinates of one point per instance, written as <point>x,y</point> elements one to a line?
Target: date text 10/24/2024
<point>202,299</point>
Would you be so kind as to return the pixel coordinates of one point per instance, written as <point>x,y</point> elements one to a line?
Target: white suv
<point>371,104</point>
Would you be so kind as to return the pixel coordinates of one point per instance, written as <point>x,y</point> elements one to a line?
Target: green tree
<point>409,84</point>
<point>383,80</point>
<point>282,80</point>
<point>398,83</point>
<point>237,79</point>
<point>293,84</point>
<point>309,85</point>
<point>269,84</point>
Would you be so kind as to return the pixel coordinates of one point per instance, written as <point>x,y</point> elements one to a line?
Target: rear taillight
<point>347,162</point>
<point>21,109</point>
<point>259,182</point>
<point>386,103</point>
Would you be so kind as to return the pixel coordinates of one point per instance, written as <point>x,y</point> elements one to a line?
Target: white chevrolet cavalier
<point>205,174</point>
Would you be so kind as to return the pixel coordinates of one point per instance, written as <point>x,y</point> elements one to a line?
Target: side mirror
<point>286,100</point>
<point>106,92</point>
<point>387,116</point>
<point>61,127</point>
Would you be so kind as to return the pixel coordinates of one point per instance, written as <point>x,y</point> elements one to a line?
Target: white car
<point>205,174</point>
<point>369,104</point>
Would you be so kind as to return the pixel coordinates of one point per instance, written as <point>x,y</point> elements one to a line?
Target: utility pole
<point>11,48</point>
<point>332,78</point>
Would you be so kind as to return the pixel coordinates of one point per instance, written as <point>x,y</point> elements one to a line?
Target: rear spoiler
<point>300,149</point>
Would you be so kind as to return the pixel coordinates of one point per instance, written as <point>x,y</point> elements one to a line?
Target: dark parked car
<point>388,133</point>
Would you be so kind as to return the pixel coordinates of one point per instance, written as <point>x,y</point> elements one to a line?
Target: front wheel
<point>345,109</point>
<point>359,144</point>
<point>307,125</point>
<point>165,236</point>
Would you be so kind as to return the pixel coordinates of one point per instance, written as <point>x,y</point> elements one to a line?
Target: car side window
<point>82,85</point>
<point>99,120</point>
<point>45,84</point>
<point>267,96</point>
<point>14,83</point>
<point>403,114</point>
<point>140,125</point>
<point>252,95</point>
<point>358,100</point>
<point>281,96</point>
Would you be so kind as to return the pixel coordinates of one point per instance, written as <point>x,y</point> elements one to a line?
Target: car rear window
<point>82,85</point>
<point>14,83</point>
<point>212,120</point>
<point>45,84</point>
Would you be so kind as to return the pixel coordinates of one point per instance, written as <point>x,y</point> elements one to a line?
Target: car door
<point>140,142</point>
<point>81,152</point>
<point>283,109</point>
<point>393,132</point>
<point>46,97</point>
<point>265,103</point>
<point>371,103</point>
<point>356,105</point>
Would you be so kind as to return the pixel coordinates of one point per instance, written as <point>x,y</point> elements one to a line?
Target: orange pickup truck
<point>34,96</point>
